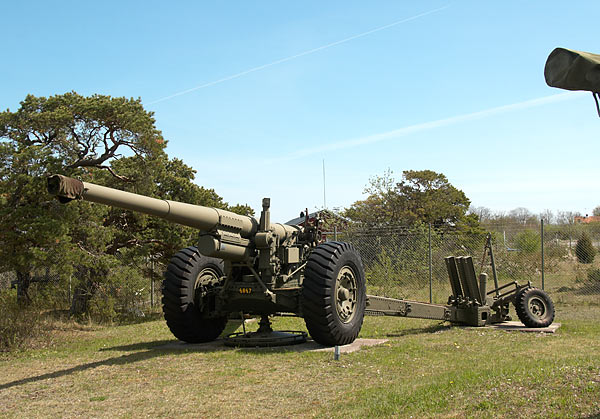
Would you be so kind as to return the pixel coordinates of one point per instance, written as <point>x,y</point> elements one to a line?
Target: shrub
<point>584,249</point>
<point>528,241</point>
<point>594,276</point>
<point>18,325</point>
<point>383,270</point>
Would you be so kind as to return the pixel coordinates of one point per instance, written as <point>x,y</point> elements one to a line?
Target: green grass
<point>426,369</point>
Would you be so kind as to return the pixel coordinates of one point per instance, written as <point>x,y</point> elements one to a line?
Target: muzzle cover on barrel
<point>65,188</point>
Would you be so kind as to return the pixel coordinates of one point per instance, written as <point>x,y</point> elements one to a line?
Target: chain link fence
<point>409,262</point>
<point>400,262</point>
<point>130,287</point>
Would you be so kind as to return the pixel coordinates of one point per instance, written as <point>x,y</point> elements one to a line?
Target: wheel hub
<point>537,307</point>
<point>204,280</point>
<point>345,292</point>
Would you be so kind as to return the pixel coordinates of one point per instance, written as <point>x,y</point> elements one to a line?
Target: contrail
<point>293,57</point>
<point>411,129</point>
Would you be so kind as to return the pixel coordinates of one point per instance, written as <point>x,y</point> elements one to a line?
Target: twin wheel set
<point>333,296</point>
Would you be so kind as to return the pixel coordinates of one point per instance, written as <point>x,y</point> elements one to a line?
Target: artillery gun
<point>261,268</point>
<point>241,264</point>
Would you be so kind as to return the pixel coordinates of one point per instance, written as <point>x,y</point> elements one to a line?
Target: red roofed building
<point>587,219</point>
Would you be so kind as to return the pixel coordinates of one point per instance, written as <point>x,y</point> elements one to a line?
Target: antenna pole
<point>324,200</point>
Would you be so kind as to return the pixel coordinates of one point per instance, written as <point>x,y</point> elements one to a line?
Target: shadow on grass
<point>231,327</point>
<point>121,360</point>
<point>421,330</point>
<point>138,346</point>
<point>150,350</point>
<point>153,350</point>
<point>584,289</point>
<point>587,289</point>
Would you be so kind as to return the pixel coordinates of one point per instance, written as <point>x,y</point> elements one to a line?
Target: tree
<point>596,211</point>
<point>81,131</point>
<point>161,178</point>
<point>32,232</point>
<point>584,249</point>
<point>429,197</point>
<point>380,206</point>
<point>567,217</point>
<point>422,196</point>
<point>484,214</point>
<point>523,216</point>
<point>86,137</point>
<point>548,216</point>
<point>69,134</point>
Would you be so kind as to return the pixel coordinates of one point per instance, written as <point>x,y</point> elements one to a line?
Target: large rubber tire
<point>186,303</point>
<point>534,307</point>
<point>334,294</point>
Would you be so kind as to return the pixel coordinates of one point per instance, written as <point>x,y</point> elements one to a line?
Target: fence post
<point>430,267</point>
<point>152,283</point>
<point>334,233</point>
<point>542,233</point>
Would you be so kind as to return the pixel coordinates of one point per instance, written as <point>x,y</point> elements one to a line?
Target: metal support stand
<point>265,336</point>
<point>542,234</point>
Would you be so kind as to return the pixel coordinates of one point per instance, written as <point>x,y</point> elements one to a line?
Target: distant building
<point>587,219</point>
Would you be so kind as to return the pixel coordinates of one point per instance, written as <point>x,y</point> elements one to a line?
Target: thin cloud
<point>293,57</point>
<point>401,132</point>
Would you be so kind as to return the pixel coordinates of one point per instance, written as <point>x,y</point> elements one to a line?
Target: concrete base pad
<point>514,325</point>
<point>309,345</point>
<point>345,349</point>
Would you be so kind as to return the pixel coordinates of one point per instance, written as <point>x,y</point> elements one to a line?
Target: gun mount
<point>241,264</point>
<point>256,267</point>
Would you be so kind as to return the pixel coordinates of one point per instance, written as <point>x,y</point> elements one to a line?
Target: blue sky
<point>256,95</point>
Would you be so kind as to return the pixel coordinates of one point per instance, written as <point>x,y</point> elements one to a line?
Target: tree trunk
<point>84,291</point>
<point>23,282</point>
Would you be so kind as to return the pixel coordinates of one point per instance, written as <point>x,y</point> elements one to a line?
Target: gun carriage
<point>261,268</point>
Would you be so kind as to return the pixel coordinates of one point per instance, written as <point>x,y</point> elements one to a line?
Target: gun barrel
<point>196,216</point>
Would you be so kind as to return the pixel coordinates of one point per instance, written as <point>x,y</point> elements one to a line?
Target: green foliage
<point>528,241</point>
<point>83,131</point>
<point>383,270</point>
<point>86,137</point>
<point>18,325</point>
<point>430,198</point>
<point>584,249</point>
<point>101,307</point>
<point>554,254</point>
<point>594,276</point>
<point>34,228</point>
<point>422,196</point>
<point>396,262</point>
